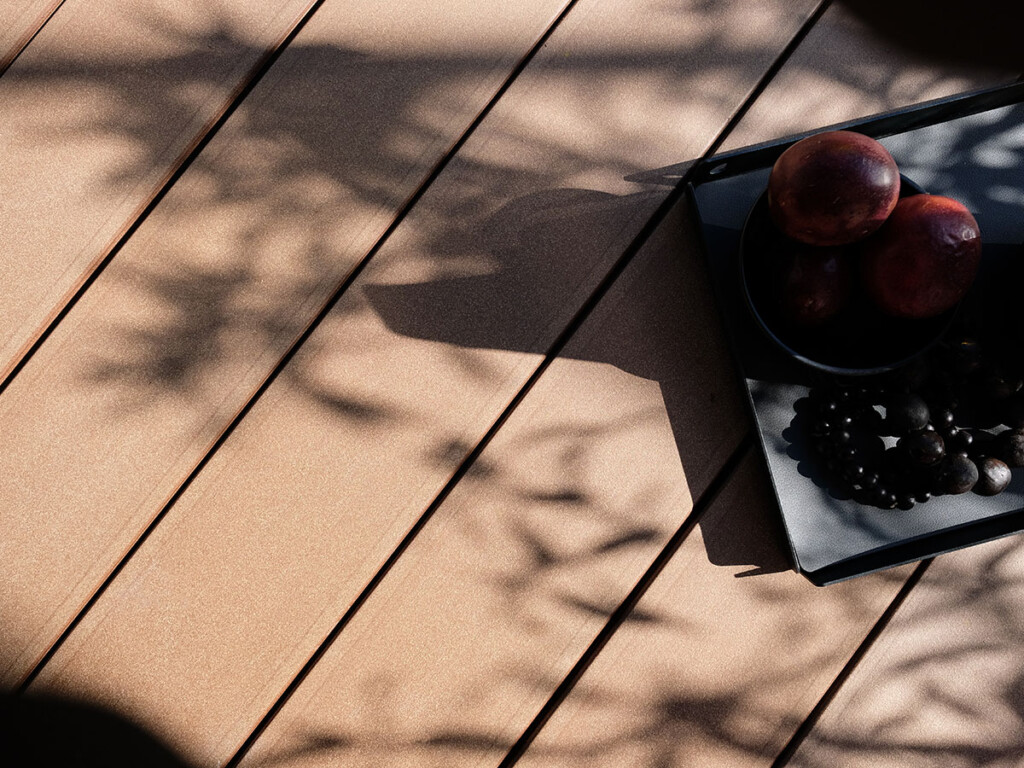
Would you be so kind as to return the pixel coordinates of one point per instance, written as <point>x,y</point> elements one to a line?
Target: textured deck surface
<point>360,406</point>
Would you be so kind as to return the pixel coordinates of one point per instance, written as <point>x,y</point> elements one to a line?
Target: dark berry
<point>853,473</point>
<point>959,474</point>
<point>924,449</point>
<point>821,428</point>
<point>993,477</point>
<point>905,501</point>
<point>906,413</point>
<point>943,419</point>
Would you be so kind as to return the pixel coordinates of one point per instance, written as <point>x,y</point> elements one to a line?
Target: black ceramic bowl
<point>861,341</point>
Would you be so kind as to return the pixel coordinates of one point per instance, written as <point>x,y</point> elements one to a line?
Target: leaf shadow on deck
<point>945,687</point>
<point>484,274</point>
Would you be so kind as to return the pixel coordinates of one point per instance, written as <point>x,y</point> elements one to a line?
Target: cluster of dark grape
<point>955,423</point>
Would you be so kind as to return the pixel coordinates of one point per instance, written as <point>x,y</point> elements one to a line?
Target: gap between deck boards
<point>30,30</point>
<point>10,368</point>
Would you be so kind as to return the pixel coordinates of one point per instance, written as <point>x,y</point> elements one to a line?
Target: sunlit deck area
<point>364,400</point>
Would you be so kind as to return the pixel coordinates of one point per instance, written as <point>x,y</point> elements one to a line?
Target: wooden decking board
<point>562,513</point>
<point>844,71</point>
<point>20,20</point>
<point>942,685</point>
<point>291,517</point>
<point>179,331</point>
<point>102,108</point>
<point>742,649</point>
<point>810,721</point>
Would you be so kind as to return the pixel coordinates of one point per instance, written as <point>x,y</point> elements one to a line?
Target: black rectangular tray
<point>969,147</point>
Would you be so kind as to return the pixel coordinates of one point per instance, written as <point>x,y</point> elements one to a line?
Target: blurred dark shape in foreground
<point>42,732</point>
<point>985,33</point>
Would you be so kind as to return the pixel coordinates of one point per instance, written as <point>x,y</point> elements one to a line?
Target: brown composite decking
<point>340,433</point>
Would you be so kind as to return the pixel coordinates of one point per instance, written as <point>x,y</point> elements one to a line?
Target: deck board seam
<point>804,729</point>
<point>176,169</point>
<point>621,613</point>
<point>26,39</point>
